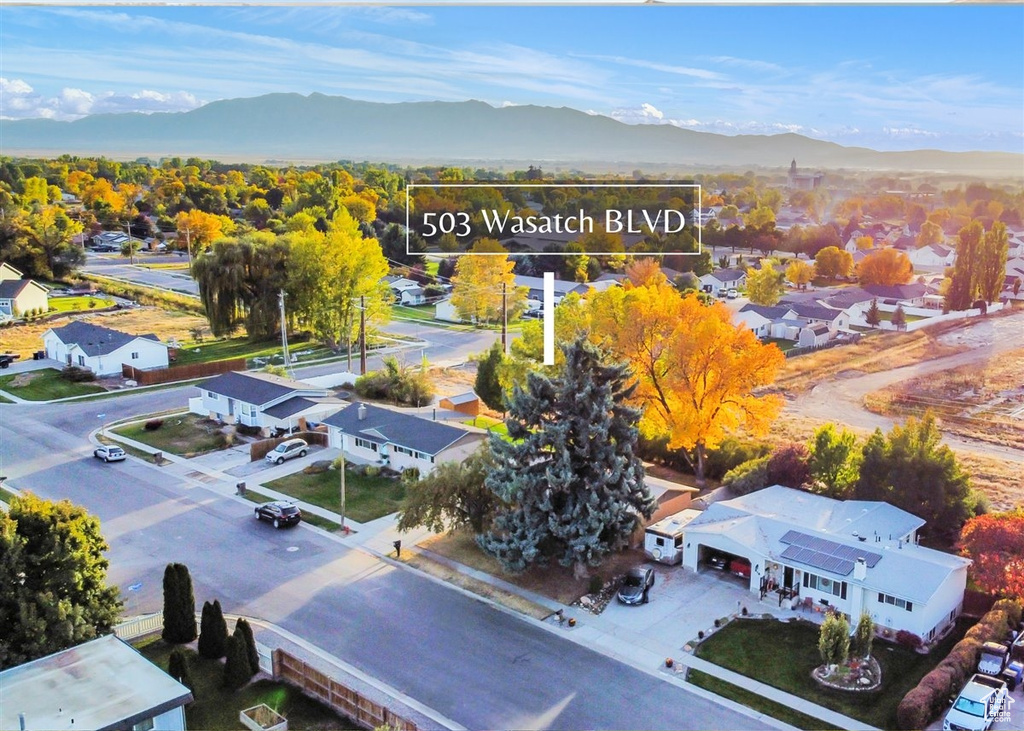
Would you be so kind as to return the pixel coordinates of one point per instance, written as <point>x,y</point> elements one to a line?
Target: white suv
<point>287,450</point>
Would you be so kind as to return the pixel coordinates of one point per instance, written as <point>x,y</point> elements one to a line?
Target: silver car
<point>287,450</point>
<point>109,453</point>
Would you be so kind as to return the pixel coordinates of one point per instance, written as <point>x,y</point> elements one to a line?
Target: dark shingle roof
<point>404,430</point>
<point>847,297</point>
<point>816,312</point>
<point>729,275</point>
<point>254,388</point>
<point>288,407</point>
<point>897,291</point>
<point>11,288</point>
<point>772,313</point>
<point>95,339</point>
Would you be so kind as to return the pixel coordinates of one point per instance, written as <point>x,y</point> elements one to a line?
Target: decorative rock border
<point>874,670</point>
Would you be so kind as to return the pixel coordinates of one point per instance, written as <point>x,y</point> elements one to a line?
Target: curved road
<point>841,400</point>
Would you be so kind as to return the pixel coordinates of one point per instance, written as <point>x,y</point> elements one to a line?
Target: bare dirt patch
<point>23,379</point>
<point>982,401</point>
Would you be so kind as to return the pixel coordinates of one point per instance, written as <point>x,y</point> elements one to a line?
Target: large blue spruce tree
<point>569,474</point>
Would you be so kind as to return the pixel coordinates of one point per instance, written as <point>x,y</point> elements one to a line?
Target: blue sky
<point>888,77</point>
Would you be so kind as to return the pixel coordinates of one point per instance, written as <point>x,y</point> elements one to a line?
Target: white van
<point>663,541</point>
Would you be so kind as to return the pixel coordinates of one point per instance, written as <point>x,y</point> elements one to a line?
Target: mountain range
<point>323,128</point>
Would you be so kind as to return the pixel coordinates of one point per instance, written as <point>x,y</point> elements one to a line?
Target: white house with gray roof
<point>723,279</point>
<point>852,555</point>
<point>103,350</point>
<point>102,684</point>
<point>261,400</point>
<point>396,439</point>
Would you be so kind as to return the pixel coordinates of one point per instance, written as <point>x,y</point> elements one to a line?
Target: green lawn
<point>186,435</point>
<point>366,498</point>
<point>783,654</point>
<point>423,313</point>
<point>781,343</point>
<point>5,400</point>
<point>492,425</point>
<point>212,350</point>
<point>887,316</point>
<point>69,304</point>
<point>216,709</point>
<point>754,701</point>
<point>46,385</point>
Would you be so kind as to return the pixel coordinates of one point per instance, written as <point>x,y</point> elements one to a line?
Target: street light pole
<point>341,469</point>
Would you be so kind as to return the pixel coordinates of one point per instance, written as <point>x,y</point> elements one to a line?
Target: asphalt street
<point>473,663</point>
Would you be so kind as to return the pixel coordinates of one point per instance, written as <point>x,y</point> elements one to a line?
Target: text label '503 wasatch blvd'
<point>557,218</point>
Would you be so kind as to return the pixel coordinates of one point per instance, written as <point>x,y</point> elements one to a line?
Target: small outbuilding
<point>464,403</point>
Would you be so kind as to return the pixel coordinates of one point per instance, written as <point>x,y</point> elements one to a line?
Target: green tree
<point>213,631</point>
<point>833,461</point>
<point>54,578</point>
<point>253,655</point>
<point>237,671</point>
<point>487,385</point>
<point>479,281</point>
<point>572,483</point>
<point>992,265</point>
<point>899,318</point>
<point>833,262</point>
<point>912,470</point>
<point>873,316</point>
<point>963,285</point>
<point>179,605</point>
<point>453,496</point>
<point>179,667</point>
<point>834,641</point>
<point>765,286</point>
<point>39,242</point>
<point>863,636</point>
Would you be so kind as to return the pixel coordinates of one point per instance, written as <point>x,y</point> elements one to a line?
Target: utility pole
<point>188,246</point>
<point>131,249</point>
<point>284,335</point>
<point>362,335</point>
<point>504,319</point>
<point>341,468</point>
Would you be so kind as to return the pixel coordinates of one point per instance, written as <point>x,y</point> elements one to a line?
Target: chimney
<point>21,721</point>
<point>860,570</point>
<point>361,411</point>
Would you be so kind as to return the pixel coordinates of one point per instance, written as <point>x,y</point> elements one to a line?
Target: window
<point>895,601</point>
<point>679,541</point>
<point>365,444</point>
<point>81,360</point>
<point>659,541</point>
<point>146,725</point>
<point>212,395</point>
<point>826,586</point>
<point>135,356</point>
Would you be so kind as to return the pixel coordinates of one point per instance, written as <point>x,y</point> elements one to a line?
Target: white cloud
<point>644,114</point>
<point>18,100</point>
<point>908,132</point>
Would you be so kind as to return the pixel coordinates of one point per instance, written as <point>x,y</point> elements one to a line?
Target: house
<point>413,296</point>
<point>812,314</point>
<point>445,311</point>
<point>18,296</point>
<point>722,280</point>
<point>932,256</point>
<point>103,350</point>
<point>464,403</point>
<point>852,555</point>
<point>101,684</point>
<point>803,181</point>
<point>535,288</point>
<point>261,400</point>
<point>109,240</point>
<point>397,439</point>
<point>908,295</point>
<point>759,318</point>
<point>399,284</point>
<point>814,336</point>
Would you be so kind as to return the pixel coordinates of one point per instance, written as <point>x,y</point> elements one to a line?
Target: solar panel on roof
<point>824,546</point>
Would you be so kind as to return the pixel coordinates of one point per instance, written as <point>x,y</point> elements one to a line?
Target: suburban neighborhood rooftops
<point>95,339</point>
<point>100,684</point>
<point>815,312</point>
<point>897,291</point>
<point>379,424</point>
<point>256,388</point>
<point>11,288</point>
<point>777,312</point>
<point>847,297</point>
<point>729,275</point>
<point>562,286</point>
<point>289,407</point>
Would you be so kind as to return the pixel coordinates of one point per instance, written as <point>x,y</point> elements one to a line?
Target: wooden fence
<point>338,696</point>
<point>258,450</point>
<point>181,372</point>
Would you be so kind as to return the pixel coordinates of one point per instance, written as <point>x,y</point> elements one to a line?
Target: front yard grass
<point>211,350</point>
<point>753,700</point>
<point>366,498</point>
<point>186,435</point>
<point>217,709</point>
<point>783,654</point>
<point>78,303</point>
<point>45,385</point>
<point>497,426</point>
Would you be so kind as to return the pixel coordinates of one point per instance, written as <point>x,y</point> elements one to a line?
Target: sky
<point>886,77</point>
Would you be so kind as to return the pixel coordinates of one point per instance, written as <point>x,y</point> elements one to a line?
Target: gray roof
<point>100,684</point>
<point>815,312</point>
<point>729,275</point>
<point>255,388</point>
<point>288,407</point>
<point>95,339</point>
<point>562,287</point>
<point>897,291</point>
<point>772,313</point>
<point>405,430</point>
<point>11,288</point>
<point>462,398</point>
<point>847,297</point>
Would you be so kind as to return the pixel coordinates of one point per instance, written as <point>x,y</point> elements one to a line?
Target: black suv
<point>280,512</point>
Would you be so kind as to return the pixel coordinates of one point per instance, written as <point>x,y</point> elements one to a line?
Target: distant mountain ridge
<point>320,127</point>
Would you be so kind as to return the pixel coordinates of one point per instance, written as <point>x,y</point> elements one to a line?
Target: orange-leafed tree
<point>198,229</point>
<point>643,272</point>
<point>887,267</point>
<point>995,543</point>
<point>697,372</point>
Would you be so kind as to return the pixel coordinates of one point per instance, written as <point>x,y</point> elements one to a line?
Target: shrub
<point>153,424</point>
<point>731,453</point>
<point>213,632</point>
<point>914,711</point>
<point>1013,609</point>
<point>243,626</point>
<point>179,667</point>
<point>789,465</point>
<point>74,374</point>
<point>748,477</point>
<point>371,471</point>
<point>179,605</point>
<point>236,668</point>
<point>596,584</point>
<point>411,475</point>
<point>908,639</point>
<point>246,430</point>
<point>396,382</point>
<point>834,640</point>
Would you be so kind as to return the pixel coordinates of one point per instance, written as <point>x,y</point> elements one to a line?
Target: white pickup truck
<point>977,706</point>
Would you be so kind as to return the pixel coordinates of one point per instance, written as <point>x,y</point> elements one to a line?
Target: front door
<point>787,577</point>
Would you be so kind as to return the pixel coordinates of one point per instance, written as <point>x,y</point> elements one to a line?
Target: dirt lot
<point>983,401</point>
<point>26,339</point>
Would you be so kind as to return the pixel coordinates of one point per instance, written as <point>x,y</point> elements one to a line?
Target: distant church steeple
<point>792,167</point>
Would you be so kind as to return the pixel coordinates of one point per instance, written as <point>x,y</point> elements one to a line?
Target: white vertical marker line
<point>549,318</point>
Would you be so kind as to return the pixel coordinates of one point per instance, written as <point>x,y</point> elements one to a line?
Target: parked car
<point>280,512</point>
<point>637,585</point>
<point>993,658</point>
<point>109,453</point>
<point>732,294</point>
<point>287,450</point>
<point>718,562</point>
<point>977,705</point>
<point>740,567</point>
<point>7,358</point>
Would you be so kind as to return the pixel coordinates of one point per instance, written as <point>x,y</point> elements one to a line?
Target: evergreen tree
<point>873,316</point>
<point>863,636</point>
<point>179,605</point>
<point>236,667</point>
<point>243,626</point>
<point>179,668</point>
<point>569,475</point>
<point>487,385</point>
<point>213,634</point>
<point>834,640</point>
<point>899,318</point>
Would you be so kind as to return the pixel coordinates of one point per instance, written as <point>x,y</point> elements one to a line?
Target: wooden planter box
<point>263,718</point>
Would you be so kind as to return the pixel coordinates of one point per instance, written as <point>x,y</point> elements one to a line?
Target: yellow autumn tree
<point>697,372</point>
<point>886,266</point>
<point>198,229</point>
<point>799,273</point>
<point>478,281</point>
